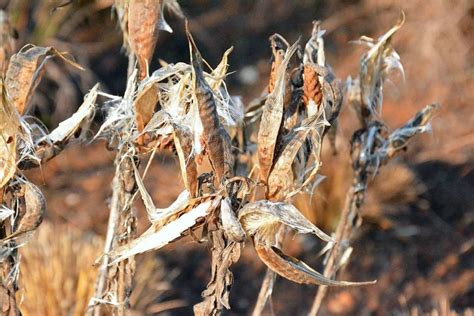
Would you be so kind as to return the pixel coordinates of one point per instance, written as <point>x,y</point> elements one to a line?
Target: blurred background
<point>417,238</point>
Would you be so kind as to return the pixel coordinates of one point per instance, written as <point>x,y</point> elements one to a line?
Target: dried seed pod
<point>216,138</point>
<point>282,179</point>
<point>272,119</point>
<point>314,49</point>
<point>9,130</point>
<point>399,138</point>
<point>145,19</point>
<point>35,207</point>
<point>143,27</point>
<point>144,106</point>
<point>7,42</point>
<point>231,225</point>
<point>374,66</point>
<point>312,89</point>
<point>262,219</point>
<point>183,140</point>
<point>158,236</point>
<point>295,270</point>
<point>25,72</point>
<point>279,46</point>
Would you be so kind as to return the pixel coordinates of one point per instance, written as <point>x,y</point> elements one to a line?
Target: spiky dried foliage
<point>371,147</point>
<point>230,195</point>
<point>188,110</point>
<point>24,144</point>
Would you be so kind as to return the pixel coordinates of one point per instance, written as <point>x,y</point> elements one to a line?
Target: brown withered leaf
<point>183,140</point>
<point>25,71</point>
<point>271,119</point>
<point>216,296</point>
<point>9,130</point>
<point>295,270</point>
<point>35,207</point>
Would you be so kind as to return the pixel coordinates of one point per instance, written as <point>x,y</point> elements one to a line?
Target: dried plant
<point>242,170</point>
<point>25,144</point>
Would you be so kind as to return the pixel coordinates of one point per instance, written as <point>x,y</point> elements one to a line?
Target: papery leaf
<point>25,71</point>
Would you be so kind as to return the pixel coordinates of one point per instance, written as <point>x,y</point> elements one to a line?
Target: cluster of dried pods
<point>242,168</point>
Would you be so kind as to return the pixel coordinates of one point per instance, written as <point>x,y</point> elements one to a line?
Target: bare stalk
<point>120,229</point>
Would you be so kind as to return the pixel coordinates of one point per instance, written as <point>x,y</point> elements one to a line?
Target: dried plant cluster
<point>242,167</point>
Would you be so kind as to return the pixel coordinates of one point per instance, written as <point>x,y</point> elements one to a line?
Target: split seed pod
<point>9,129</point>
<point>216,138</point>
<point>25,71</point>
<point>230,223</point>
<point>271,119</point>
<point>295,270</point>
<point>35,207</point>
<point>183,140</point>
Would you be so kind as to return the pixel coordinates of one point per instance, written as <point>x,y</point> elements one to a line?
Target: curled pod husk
<point>279,46</point>
<point>145,20</point>
<point>295,270</point>
<point>25,71</point>
<point>230,223</point>
<point>35,207</point>
<point>262,219</point>
<point>216,138</point>
<point>183,140</point>
<point>312,89</point>
<point>282,178</point>
<point>144,106</point>
<point>9,130</point>
<point>374,66</point>
<point>271,120</point>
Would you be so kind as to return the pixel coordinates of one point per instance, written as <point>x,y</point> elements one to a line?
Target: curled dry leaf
<point>183,140</point>
<point>216,296</point>
<point>9,129</point>
<point>262,218</point>
<point>25,71</point>
<point>157,237</point>
<point>230,223</point>
<point>35,207</point>
<point>295,270</point>
<point>271,119</point>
